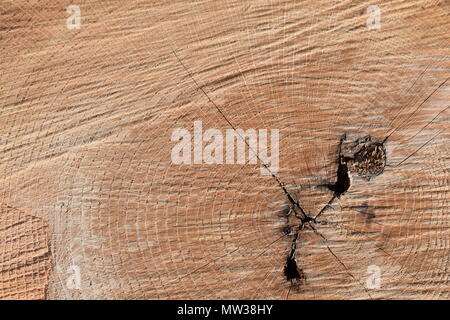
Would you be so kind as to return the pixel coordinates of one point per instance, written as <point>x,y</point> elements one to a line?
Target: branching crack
<point>365,157</point>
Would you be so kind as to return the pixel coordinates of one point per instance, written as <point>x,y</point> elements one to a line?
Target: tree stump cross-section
<point>224,149</point>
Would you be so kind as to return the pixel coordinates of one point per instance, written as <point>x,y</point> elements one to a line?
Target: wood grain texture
<point>85,148</point>
<point>25,255</point>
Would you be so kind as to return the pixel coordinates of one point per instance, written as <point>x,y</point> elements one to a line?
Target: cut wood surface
<point>93,207</point>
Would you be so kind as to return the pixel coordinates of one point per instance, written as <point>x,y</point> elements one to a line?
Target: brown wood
<point>87,179</point>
